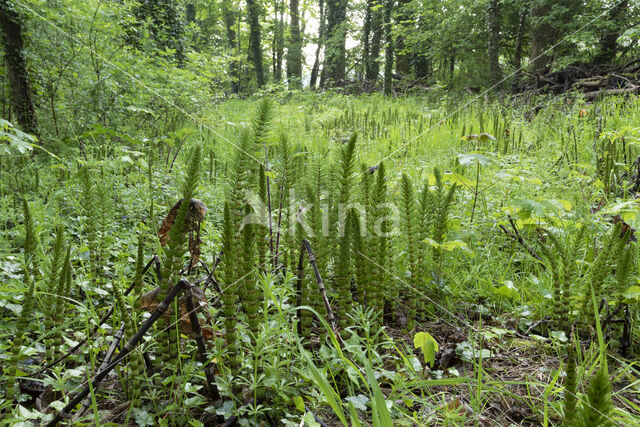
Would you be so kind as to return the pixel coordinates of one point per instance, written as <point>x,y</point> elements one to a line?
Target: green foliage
<point>597,411</point>
<point>343,262</point>
<point>174,253</point>
<point>230,295</point>
<point>571,390</point>
<point>30,234</point>
<point>409,290</point>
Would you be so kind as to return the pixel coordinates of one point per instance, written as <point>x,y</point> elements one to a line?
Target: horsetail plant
<point>230,294</point>
<point>174,253</point>
<point>380,244</point>
<point>408,213</point>
<point>56,263</point>
<point>135,365</point>
<point>21,327</point>
<point>343,263</point>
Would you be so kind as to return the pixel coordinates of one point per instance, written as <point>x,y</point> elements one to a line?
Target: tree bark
<point>255,39</point>
<point>316,62</point>
<point>294,52</point>
<point>234,66</point>
<point>21,95</point>
<point>373,67</point>
<point>609,40</point>
<point>388,53</point>
<point>403,59</point>
<point>495,73</point>
<point>517,55</point>
<point>335,52</point>
<point>366,35</point>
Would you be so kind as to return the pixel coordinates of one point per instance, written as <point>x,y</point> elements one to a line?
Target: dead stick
<point>519,239</point>
<point>312,260</point>
<point>202,347</point>
<point>210,278</point>
<point>266,162</point>
<point>107,359</point>
<point>275,261</point>
<point>96,328</point>
<point>128,347</point>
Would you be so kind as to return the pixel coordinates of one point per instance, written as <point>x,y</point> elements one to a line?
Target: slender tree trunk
<point>517,56</point>
<point>366,36</point>
<point>373,67</point>
<point>190,13</point>
<point>229,20</point>
<point>316,62</point>
<point>253,15</point>
<point>403,59</point>
<point>609,40</point>
<point>294,52</point>
<point>542,37</point>
<point>280,41</point>
<point>16,67</point>
<point>335,52</point>
<point>421,59</point>
<point>494,42</point>
<point>388,53</point>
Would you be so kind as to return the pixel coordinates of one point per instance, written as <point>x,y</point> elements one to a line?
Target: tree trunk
<point>388,53</point>
<point>373,67</point>
<point>541,38</point>
<point>403,59</point>
<point>422,61</point>
<point>316,62</point>
<point>294,52</point>
<point>609,40</point>
<point>517,56</point>
<point>190,13</point>
<point>253,15</point>
<point>229,20</point>
<point>495,73</point>
<point>335,52</point>
<point>366,35</point>
<point>21,100</point>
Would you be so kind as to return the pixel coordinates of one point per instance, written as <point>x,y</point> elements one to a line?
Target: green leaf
<point>472,158</point>
<point>633,293</point>
<point>309,420</point>
<point>298,401</point>
<point>359,401</point>
<point>428,345</point>
<point>508,290</point>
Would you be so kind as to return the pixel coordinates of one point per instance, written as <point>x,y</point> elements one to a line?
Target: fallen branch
<point>202,347</point>
<point>128,347</point>
<point>97,327</point>
<point>107,359</point>
<point>515,236</point>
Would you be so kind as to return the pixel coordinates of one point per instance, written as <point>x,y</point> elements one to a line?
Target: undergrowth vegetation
<point>329,259</point>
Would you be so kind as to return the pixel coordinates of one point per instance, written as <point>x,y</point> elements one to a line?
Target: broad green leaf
<point>299,402</point>
<point>428,345</point>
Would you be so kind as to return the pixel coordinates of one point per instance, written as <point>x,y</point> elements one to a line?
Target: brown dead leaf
<point>195,216</point>
<point>150,301</point>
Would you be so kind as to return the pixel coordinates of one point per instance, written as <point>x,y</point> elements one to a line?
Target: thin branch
<point>128,347</point>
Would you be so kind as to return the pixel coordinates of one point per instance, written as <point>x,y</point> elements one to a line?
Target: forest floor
<point>524,168</point>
